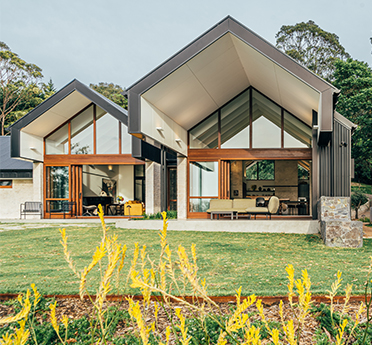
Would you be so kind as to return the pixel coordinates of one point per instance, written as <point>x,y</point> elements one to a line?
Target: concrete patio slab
<point>268,226</point>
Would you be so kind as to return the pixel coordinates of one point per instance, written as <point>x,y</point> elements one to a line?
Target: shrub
<point>358,199</point>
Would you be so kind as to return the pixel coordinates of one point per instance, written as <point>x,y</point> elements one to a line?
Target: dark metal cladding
<point>342,160</point>
<point>334,163</point>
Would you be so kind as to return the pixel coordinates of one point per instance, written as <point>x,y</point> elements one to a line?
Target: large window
<point>92,131</point>
<point>205,135</point>
<point>139,183</point>
<point>266,122</point>
<point>260,170</point>
<point>82,133</point>
<point>203,185</point>
<point>57,182</point>
<point>57,142</point>
<point>126,140</point>
<point>107,133</point>
<point>250,120</point>
<point>235,123</point>
<point>296,133</point>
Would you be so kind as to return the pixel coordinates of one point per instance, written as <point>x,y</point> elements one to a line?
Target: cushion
<point>273,205</point>
<point>220,205</point>
<point>257,210</point>
<point>243,203</point>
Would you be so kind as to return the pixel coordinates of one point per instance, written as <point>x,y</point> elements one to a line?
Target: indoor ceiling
<point>222,71</point>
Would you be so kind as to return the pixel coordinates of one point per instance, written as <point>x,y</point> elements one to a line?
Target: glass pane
<point>139,190</point>
<point>82,133</point>
<point>172,184</point>
<point>139,170</point>
<point>266,170</point>
<point>126,140</point>
<point>5,183</point>
<point>204,179</point>
<point>235,123</point>
<point>205,134</point>
<point>199,205</point>
<point>251,170</point>
<point>57,182</point>
<point>173,206</point>
<point>296,133</point>
<point>57,143</point>
<point>266,122</point>
<point>303,171</point>
<point>107,133</point>
<point>260,170</point>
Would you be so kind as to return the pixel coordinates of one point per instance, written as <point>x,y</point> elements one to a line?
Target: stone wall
<point>336,233</point>
<point>334,208</point>
<point>336,227</point>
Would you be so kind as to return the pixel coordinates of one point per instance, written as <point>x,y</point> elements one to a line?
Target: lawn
<point>364,188</point>
<point>227,260</point>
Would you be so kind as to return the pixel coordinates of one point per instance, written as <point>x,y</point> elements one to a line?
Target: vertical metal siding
<point>335,163</point>
<point>342,160</point>
<point>325,170</point>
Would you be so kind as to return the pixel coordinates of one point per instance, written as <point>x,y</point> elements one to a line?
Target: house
<point>81,151</point>
<point>16,182</point>
<point>244,120</point>
<point>229,116</point>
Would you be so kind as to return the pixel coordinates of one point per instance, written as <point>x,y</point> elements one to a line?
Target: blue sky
<point>120,41</point>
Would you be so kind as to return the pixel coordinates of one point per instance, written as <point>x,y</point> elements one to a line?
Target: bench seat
<point>242,206</point>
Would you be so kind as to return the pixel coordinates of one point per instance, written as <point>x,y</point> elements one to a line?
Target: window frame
<point>258,170</point>
<point>68,123</point>
<point>8,186</point>
<point>250,89</point>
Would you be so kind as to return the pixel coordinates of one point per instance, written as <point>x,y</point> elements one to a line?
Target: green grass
<point>227,260</point>
<point>364,188</point>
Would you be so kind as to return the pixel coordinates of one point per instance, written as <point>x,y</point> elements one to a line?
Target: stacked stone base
<point>336,227</point>
<point>348,234</point>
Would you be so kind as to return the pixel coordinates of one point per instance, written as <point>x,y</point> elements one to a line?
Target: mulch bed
<point>75,309</point>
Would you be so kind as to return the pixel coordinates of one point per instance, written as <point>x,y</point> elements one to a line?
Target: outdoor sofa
<point>242,206</point>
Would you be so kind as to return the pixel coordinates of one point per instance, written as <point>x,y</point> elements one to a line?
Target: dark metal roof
<point>8,163</point>
<point>75,85</point>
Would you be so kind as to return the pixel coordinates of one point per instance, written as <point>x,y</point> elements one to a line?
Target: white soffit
<point>222,71</point>
<point>200,86</point>
<point>57,115</point>
<point>277,83</point>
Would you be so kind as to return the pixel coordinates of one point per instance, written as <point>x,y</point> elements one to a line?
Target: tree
<point>358,199</point>
<point>311,46</point>
<point>111,91</point>
<point>34,95</point>
<point>354,79</point>
<point>16,78</point>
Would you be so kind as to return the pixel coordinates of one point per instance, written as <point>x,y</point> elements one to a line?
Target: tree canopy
<point>17,78</point>
<point>112,92</point>
<point>354,79</point>
<point>311,46</point>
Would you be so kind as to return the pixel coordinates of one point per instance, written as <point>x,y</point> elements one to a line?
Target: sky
<point>120,41</point>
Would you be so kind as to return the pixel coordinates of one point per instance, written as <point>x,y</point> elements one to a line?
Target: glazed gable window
<point>91,131</point>
<point>250,120</point>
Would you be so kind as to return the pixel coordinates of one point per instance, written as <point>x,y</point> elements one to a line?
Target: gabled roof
<point>8,163</point>
<point>220,64</point>
<point>64,104</point>
<point>57,110</point>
